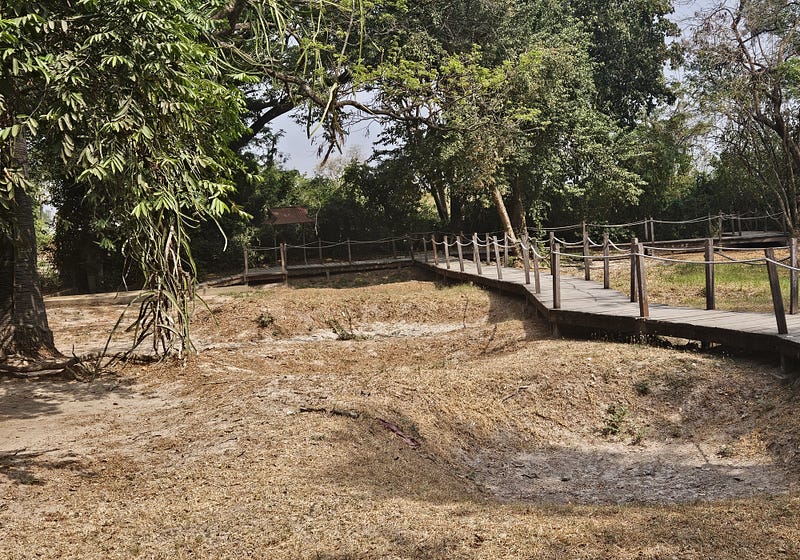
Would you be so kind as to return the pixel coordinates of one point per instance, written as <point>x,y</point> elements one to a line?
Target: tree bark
<point>518,220</point>
<point>23,319</point>
<point>497,196</point>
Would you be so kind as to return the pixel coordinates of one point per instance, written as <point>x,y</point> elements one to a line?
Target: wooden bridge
<point>576,304</point>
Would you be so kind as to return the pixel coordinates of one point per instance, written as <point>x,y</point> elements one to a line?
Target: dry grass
<point>273,442</point>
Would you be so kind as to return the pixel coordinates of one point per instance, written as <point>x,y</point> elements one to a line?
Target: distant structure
<point>290,215</point>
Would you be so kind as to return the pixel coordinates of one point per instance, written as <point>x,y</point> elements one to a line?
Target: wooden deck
<point>586,306</point>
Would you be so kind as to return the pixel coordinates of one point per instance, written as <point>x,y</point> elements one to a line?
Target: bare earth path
<point>449,426</point>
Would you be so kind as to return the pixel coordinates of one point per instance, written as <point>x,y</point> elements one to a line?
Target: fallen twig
<point>409,440</point>
<point>515,393</point>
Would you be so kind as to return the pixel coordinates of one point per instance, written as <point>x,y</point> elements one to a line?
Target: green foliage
<point>130,96</point>
<point>614,420</point>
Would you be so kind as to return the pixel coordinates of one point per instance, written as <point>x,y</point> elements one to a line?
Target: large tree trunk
<point>518,220</point>
<point>23,319</point>
<point>497,196</point>
<point>440,198</point>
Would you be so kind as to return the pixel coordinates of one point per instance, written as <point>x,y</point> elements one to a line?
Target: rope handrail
<point>781,264</point>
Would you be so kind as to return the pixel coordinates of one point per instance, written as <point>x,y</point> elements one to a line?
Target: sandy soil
<point>390,417</point>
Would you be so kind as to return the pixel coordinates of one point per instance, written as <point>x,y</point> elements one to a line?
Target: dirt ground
<point>386,416</point>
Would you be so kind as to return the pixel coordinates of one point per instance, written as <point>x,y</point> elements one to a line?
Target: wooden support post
<point>424,249</point>
<point>460,254</point>
<point>476,253</point>
<point>410,247</point>
<point>305,254</point>
<point>446,253</point>
<point>488,251</point>
<point>435,252</point>
<point>634,244</point>
<point>319,246</point>
<point>793,276</point>
<point>775,288</point>
<point>526,257</point>
<point>505,249</point>
<point>739,224</point>
<point>552,240</point>
<point>537,280</point>
<point>641,277</point>
<point>646,229</point>
<point>555,270</point>
<point>606,262</point>
<point>709,266</point>
<point>652,230</point>
<point>497,257</point>
<point>587,273</point>
<point>246,266</point>
<point>283,259</point>
<point>719,225</point>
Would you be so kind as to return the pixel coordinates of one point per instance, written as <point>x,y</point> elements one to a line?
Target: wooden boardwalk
<point>586,306</point>
<point>277,274</point>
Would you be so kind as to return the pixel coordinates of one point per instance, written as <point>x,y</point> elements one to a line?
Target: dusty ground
<point>448,425</point>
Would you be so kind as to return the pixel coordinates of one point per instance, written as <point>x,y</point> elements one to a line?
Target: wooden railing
<point>533,253</point>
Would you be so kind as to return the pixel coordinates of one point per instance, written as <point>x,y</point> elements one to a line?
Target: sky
<point>302,153</point>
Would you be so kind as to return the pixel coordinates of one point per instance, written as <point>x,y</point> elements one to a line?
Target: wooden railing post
<point>424,249</point>
<point>410,247</point>
<point>587,274</point>
<point>537,281</point>
<point>793,276</point>
<point>460,254</point>
<point>555,270</point>
<point>488,251</point>
<point>739,224</point>
<point>349,252</point>
<point>446,252</point>
<point>246,266</point>
<point>641,277</point>
<point>709,266</point>
<point>606,262</point>
<point>319,246</point>
<point>719,224</point>
<point>775,288</point>
<point>505,249</point>
<point>526,257</point>
<point>652,229</point>
<point>634,243</point>
<point>283,259</point>
<point>497,257</point>
<point>476,253</point>
<point>435,251</point>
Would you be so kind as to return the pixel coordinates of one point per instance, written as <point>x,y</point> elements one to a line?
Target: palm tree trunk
<point>23,319</point>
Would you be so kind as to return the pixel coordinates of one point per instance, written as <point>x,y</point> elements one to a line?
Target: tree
<point>629,49</point>
<point>132,98</point>
<point>746,72</point>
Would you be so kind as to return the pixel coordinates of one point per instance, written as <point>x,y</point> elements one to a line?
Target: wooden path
<point>586,306</point>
